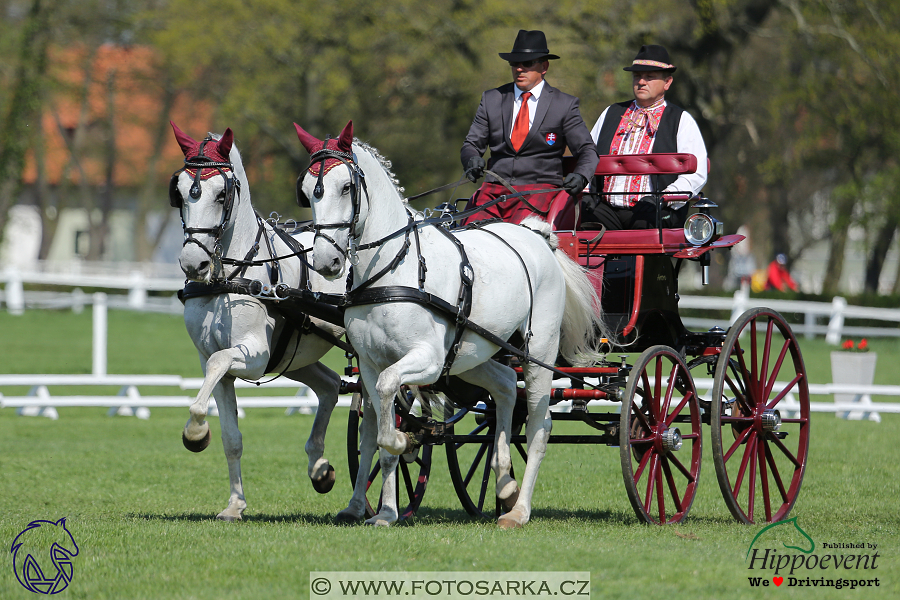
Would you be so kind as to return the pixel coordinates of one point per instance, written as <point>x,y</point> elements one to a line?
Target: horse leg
<point>537,431</point>
<point>419,366</point>
<point>233,446</point>
<point>325,384</point>
<point>500,381</point>
<point>388,511</point>
<point>368,428</point>
<point>196,431</point>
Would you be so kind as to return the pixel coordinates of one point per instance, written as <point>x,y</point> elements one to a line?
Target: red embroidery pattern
<point>642,123</point>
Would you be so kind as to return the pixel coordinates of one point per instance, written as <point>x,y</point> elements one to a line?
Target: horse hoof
<point>196,445</point>
<point>228,518</point>
<point>345,518</point>
<point>507,523</point>
<point>510,502</point>
<point>324,485</point>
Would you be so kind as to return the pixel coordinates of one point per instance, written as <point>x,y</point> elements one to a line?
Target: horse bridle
<point>232,187</point>
<point>357,187</point>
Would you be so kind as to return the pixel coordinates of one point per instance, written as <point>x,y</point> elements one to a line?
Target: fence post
<point>741,295</point>
<point>137,293</point>
<point>836,322</point>
<point>99,328</point>
<point>15,296</point>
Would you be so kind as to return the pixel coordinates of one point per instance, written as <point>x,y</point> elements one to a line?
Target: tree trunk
<point>24,108</point>
<point>879,251</point>
<point>844,203</point>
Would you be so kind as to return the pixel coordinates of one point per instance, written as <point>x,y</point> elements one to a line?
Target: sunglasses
<point>525,64</point>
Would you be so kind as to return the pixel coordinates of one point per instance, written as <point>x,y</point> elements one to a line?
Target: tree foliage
<point>793,97</point>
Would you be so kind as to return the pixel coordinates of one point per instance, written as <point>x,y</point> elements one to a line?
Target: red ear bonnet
<point>313,144</point>
<point>215,151</point>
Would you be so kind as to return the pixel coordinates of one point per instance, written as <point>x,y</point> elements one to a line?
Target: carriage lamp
<point>701,228</point>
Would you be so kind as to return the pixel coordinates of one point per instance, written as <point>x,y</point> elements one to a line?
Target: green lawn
<point>142,508</point>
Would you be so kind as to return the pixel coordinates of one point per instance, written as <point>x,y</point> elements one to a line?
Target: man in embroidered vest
<point>641,126</point>
<point>527,124</point>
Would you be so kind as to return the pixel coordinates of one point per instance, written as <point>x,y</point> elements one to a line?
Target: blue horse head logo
<point>37,542</point>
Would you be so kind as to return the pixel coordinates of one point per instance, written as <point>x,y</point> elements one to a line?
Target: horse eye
<point>346,189</point>
<point>221,197</point>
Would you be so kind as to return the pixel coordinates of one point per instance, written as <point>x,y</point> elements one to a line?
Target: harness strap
<point>397,293</point>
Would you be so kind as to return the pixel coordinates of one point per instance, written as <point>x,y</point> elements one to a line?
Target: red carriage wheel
<point>660,437</point>
<point>760,432</point>
<point>413,470</point>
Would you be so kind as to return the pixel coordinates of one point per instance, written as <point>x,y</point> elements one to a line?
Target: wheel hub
<point>671,440</point>
<point>771,420</point>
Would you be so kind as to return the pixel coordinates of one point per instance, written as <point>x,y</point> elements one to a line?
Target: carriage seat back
<point>562,214</point>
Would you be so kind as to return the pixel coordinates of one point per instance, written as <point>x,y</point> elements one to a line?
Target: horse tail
<point>582,325</point>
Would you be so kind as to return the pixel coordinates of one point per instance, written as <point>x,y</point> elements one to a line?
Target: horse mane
<point>385,164</point>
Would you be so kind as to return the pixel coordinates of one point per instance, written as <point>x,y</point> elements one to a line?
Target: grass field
<point>142,508</point>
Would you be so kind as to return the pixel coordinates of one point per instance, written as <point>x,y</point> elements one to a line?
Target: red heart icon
<point>778,580</point>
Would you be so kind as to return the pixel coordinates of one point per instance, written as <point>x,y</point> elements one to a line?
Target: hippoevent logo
<point>783,554</point>
<point>42,556</point>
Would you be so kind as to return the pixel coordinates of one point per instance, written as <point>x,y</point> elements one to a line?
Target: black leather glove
<point>574,183</point>
<point>475,169</point>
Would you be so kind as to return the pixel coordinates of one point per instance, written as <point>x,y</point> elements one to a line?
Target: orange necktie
<point>520,128</point>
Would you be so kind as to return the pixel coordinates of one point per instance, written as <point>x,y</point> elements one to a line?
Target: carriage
<point>650,409</point>
<point>756,408</point>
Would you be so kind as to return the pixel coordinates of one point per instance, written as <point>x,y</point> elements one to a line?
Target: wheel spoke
<point>787,453</point>
<point>740,394</point>
<point>776,476</point>
<point>751,488</point>
<point>640,416</point>
<point>671,416</point>
<point>776,369</point>
<point>485,478</point>
<point>784,391</point>
<point>657,392</point>
<point>661,493</point>
<point>404,469</point>
<point>670,389</point>
<point>738,441</point>
<point>651,479</point>
<point>763,477</point>
<point>684,471</point>
<point>475,464</point>
<point>742,470</point>
<point>645,457</point>
<point>673,488</point>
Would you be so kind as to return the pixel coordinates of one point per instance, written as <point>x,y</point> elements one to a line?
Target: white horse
<point>521,282</point>
<point>236,333</point>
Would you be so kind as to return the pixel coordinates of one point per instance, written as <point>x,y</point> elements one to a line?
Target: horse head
<point>334,195</point>
<point>204,191</point>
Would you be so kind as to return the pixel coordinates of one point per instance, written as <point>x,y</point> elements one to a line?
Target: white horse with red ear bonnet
<point>235,333</point>
<point>521,282</point>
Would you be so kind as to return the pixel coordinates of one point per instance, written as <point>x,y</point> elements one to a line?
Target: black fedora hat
<point>651,58</point>
<point>529,45</point>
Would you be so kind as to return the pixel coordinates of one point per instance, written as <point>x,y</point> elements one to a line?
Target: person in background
<point>527,125</point>
<point>778,277</point>
<point>647,124</point>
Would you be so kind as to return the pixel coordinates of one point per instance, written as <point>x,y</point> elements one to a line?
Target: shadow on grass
<point>443,516</point>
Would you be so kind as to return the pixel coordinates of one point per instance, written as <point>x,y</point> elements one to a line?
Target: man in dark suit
<point>527,124</point>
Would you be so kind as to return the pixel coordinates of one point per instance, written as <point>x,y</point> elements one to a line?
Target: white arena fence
<point>129,401</point>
